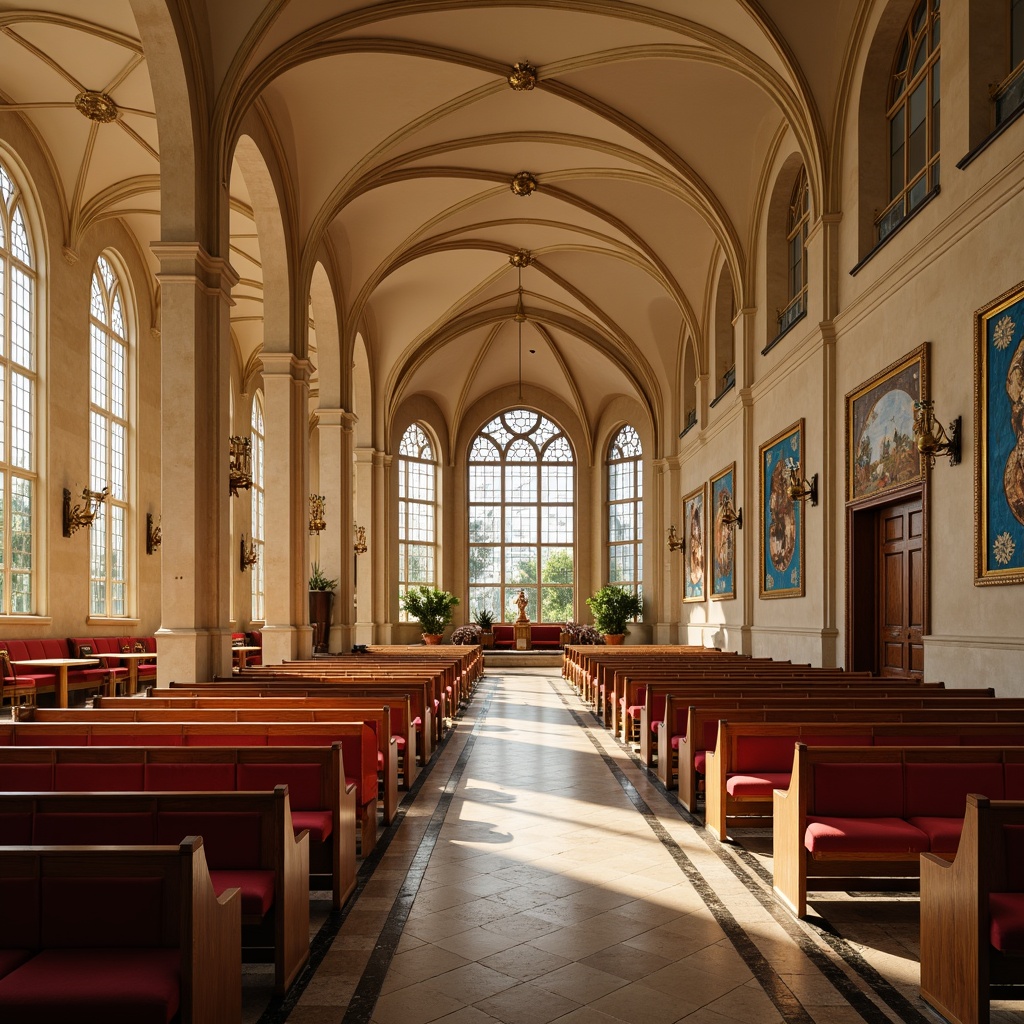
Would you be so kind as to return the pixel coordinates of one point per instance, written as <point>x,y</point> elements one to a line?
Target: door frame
<point>862,640</point>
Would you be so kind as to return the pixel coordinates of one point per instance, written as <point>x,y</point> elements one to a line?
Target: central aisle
<point>538,875</point>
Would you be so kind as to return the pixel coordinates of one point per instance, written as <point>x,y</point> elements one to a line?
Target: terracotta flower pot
<point>614,639</point>
<point>432,638</point>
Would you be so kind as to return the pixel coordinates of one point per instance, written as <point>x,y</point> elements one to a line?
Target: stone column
<point>363,565</point>
<point>286,486</point>
<point>335,543</point>
<point>196,554</point>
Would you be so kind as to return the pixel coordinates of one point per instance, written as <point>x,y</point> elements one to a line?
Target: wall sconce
<point>316,513</point>
<point>729,514</point>
<point>360,545</point>
<point>930,437</point>
<point>77,516</point>
<point>248,556</point>
<point>153,534</point>
<point>798,488</point>
<point>674,543</point>
<point>239,463</point>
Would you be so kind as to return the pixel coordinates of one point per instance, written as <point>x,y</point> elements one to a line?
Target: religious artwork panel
<point>695,555</point>
<point>999,445</point>
<point>723,535</point>
<point>782,525</point>
<point>880,451</point>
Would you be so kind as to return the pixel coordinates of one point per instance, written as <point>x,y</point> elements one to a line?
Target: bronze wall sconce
<point>154,536</point>
<point>798,488</point>
<point>248,556</point>
<point>675,543</point>
<point>730,516</point>
<point>931,438</point>
<point>317,524</point>
<point>239,463</point>
<point>77,516</point>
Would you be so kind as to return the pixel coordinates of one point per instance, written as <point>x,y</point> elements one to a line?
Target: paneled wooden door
<point>901,583</point>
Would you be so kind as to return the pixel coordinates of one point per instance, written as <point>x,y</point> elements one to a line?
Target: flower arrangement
<point>581,634</point>
<point>466,635</point>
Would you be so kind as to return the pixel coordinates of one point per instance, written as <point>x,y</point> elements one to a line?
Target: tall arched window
<point>417,513</point>
<point>796,254</point>
<point>521,490</point>
<point>18,475</point>
<point>1010,94</point>
<point>258,609</point>
<point>626,511</point>
<point>913,117</point>
<point>108,442</point>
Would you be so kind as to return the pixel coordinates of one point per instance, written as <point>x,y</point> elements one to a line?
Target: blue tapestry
<point>723,538</point>
<point>1003,533</point>
<point>781,526</point>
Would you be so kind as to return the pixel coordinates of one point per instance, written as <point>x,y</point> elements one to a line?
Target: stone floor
<point>537,873</point>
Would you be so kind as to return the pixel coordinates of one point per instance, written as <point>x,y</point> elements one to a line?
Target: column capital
<point>189,261</point>
<point>286,364</point>
<point>336,418</point>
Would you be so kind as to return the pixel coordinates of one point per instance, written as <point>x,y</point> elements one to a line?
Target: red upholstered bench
<point>541,635</point>
<point>972,912</point>
<point>249,840</point>
<point>321,800</point>
<point>870,812</point>
<point>153,921</point>
<point>752,759</point>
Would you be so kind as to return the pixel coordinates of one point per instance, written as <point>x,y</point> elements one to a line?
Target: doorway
<point>887,574</point>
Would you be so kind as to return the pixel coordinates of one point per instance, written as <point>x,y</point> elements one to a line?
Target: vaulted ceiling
<point>648,133</point>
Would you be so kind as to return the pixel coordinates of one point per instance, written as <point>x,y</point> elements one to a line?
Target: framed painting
<point>880,451</point>
<point>782,521</point>
<point>999,440</point>
<point>695,556</point>
<point>723,535</point>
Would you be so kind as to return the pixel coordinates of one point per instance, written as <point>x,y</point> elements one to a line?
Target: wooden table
<point>62,665</point>
<point>243,654</point>
<point>133,658</point>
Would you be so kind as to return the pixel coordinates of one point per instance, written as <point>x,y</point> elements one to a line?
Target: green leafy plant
<point>318,579</point>
<point>612,606</point>
<point>431,607</point>
<point>484,619</point>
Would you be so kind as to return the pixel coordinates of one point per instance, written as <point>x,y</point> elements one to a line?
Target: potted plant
<point>485,620</point>
<point>432,608</point>
<point>612,606</point>
<point>321,598</point>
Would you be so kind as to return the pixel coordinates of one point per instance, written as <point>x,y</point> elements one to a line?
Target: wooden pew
<point>379,719</point>
<point>246,836</point>
<point>321,801</point>
<point>968,902</point>
<point>402,728</point>
<point>762,754</point>
<point>418,696</point>
<point>190,942</point>
<point>677,762</point>
<point>359,746</point>
<point>856,813</point>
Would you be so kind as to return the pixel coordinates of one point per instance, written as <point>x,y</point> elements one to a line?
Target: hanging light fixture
<point>519,259</point>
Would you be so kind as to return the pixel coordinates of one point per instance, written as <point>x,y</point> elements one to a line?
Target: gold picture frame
<point>881,455</point>
<point>999,440</point>
<point>695,560</point>
<point>782,518</point>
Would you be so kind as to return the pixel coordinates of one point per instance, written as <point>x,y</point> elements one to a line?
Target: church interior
<point>517,300</point>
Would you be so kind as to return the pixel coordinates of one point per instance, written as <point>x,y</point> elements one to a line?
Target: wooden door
<point>901,581</point>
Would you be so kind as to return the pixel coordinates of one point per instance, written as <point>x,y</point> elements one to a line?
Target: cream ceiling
<point>649,133</point>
